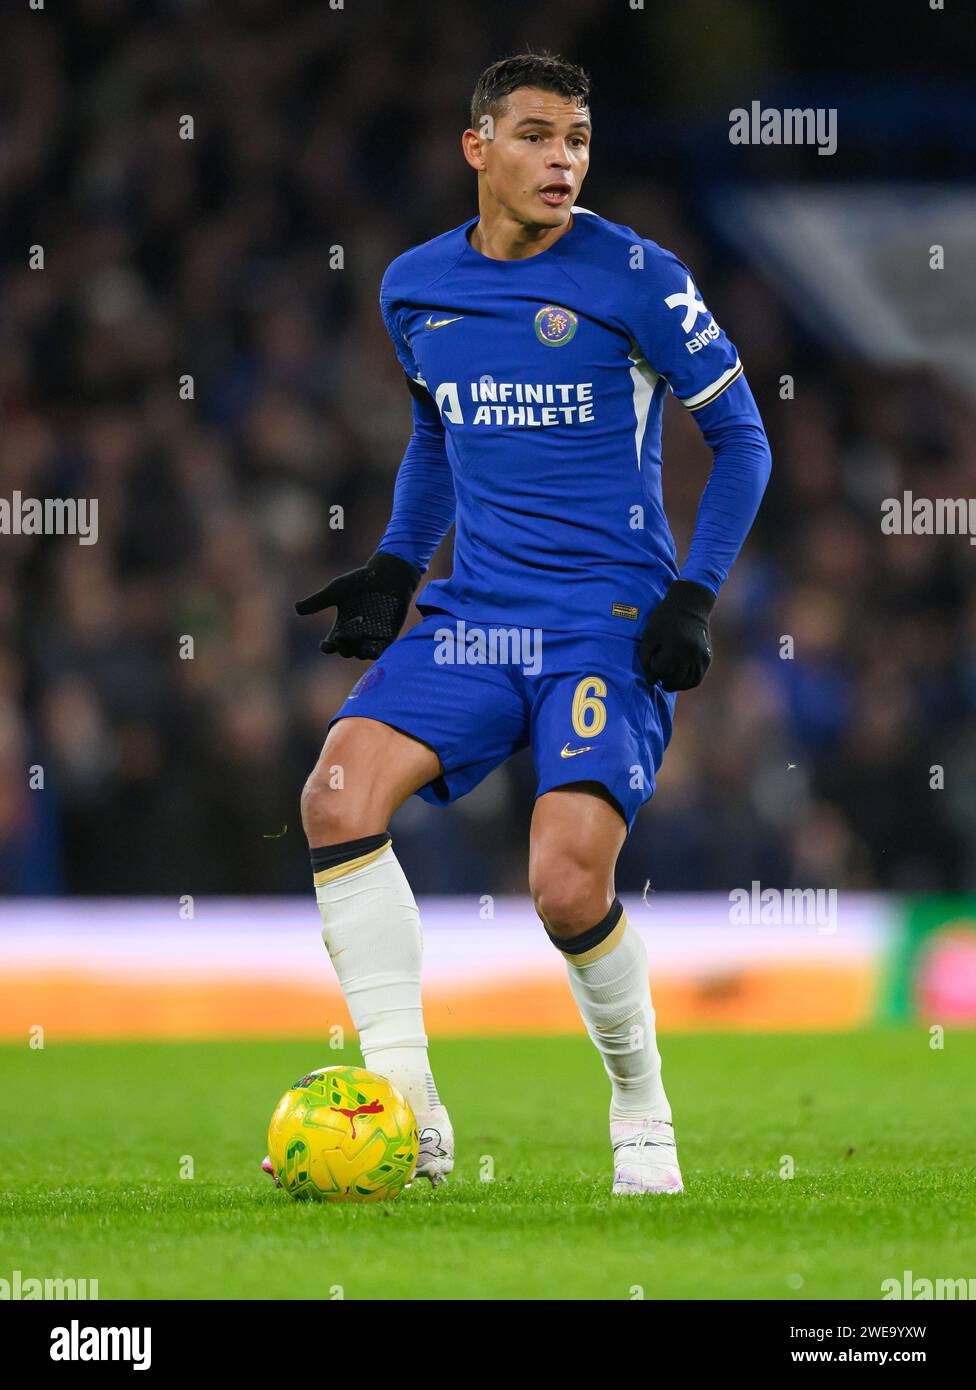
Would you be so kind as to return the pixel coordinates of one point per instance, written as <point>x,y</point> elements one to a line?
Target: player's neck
<point>499,237</point>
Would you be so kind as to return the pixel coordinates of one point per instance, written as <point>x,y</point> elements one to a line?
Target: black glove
<point>372,603</point>
<point>676,648</point>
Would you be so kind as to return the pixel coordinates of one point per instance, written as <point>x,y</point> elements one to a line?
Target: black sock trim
<point>328,856</point>
<point>575,946</point>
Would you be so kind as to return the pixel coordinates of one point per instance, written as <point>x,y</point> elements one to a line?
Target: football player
<point>538,341</point>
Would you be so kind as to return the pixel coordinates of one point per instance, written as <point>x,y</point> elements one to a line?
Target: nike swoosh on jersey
<point>439,323</point>
<point>568,752</point>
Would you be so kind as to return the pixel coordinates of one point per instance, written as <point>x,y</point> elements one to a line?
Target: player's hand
<point>676,648</point>
<point>371,603</point>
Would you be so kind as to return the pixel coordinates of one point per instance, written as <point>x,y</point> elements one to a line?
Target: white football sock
<point>371,927</point>
<point>614,997</point>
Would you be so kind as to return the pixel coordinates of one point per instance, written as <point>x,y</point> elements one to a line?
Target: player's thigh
<point>576,835</point>
<point>594,719</point>
<point>466,707</point>
<point>365,771</point>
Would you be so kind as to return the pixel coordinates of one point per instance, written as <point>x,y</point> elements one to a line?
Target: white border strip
<point>716,387</point>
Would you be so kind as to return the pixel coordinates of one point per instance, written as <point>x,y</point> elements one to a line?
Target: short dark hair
<point>544,70</point>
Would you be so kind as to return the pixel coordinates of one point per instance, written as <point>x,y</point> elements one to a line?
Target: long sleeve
<point>684,344</point>
<point>423,496</point>
<point>741,464</point>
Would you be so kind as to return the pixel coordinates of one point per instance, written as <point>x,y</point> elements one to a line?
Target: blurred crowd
<point>833,742</point>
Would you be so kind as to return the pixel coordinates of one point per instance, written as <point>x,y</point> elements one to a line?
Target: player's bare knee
<point>569,897</point>
<point>329,815</point>
<point>318,808</point>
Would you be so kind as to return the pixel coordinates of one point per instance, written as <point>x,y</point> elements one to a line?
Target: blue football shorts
<point>477,693</point>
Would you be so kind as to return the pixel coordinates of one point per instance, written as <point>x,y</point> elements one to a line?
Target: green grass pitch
<point>880,1127</point>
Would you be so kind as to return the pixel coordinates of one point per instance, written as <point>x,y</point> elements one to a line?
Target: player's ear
<point>472,151</point>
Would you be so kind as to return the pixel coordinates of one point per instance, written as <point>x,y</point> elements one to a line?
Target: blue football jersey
<point>550,375</point>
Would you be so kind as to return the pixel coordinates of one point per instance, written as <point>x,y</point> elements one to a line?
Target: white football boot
<point>645,1157</point>
<point>435,1158</point>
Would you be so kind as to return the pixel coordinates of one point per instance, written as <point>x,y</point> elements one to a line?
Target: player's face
<point>536,163</point>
